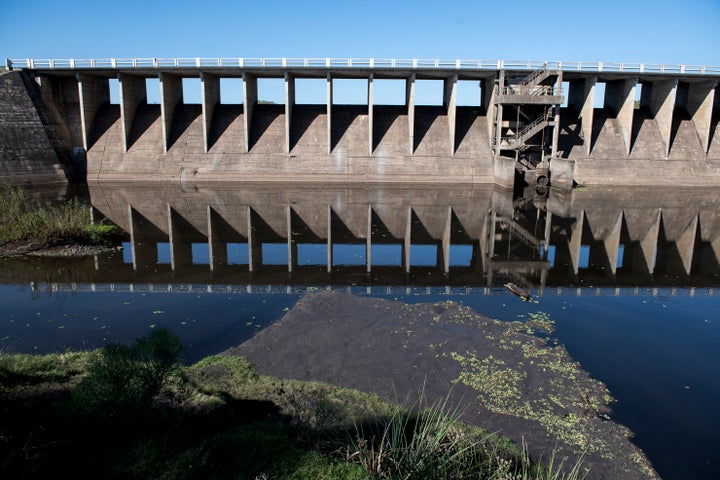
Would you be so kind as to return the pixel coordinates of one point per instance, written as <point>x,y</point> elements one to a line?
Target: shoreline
<point>508,379</point>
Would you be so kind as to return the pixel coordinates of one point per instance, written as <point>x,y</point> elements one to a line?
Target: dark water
<point>629,276</point>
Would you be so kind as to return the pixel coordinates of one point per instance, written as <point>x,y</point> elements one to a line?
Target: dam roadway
<point>571,123</point>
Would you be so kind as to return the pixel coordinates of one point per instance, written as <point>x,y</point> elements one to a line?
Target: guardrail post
<point>8,64</point>
<point>31,63</point>
<point>113,63</point>
<point>327,61</point>
<point>600,66</point>
<point>72,63</point>
<point>197,61</point>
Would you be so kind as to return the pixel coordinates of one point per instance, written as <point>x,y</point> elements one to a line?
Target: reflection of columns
<point>329,112</point>
<point>291,245</point>
<point>171,95</point>
<point>576,242</point>
<point>254,245</point>
<point>250,94</point>
<point>408,240</point>
<point>132,94</point>
<point>700,105</point>
<point>450,104</point>
<point>329,240</point>
<point>289,103</point>
<point>659,98</point>
<point>410,102</point>
<point>620,98</point>
<point>487,264</point>
<point>370,114</point>
<point>686,244</point>
<point>180,251</point>
<point>210,99</point>
<point>368,241</point>
<point>546,237</point>
<point>582,97</point>
<point>648,244</point>
<point>94,92</point>
<point>142,254</point>
<point>217,249</point>
<point>446,242</point>
<point>612,243</point>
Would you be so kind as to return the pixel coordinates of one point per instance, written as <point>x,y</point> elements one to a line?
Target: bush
<point>123,380</point>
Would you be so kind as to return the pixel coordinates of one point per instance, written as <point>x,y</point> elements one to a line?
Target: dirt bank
<point>508,379</point>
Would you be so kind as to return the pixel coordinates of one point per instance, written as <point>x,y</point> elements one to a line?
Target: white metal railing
<point>359,63</point>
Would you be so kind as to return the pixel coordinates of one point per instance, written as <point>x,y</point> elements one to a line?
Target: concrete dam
<point>564,123</point>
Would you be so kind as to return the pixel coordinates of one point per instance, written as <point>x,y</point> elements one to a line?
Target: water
<point>629,276</point>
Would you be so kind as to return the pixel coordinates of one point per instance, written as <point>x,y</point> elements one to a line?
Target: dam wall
<point>35,145</point>
<point>614,124</point>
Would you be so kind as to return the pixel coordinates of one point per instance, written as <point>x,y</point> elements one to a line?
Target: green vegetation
<point>134,412</point>
<point>563,404</point>
<point>27,219</point>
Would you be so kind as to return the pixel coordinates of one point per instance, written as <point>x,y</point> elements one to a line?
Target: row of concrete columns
<point>660,97</point>
<point>94,92</point>
<point>181,250</point>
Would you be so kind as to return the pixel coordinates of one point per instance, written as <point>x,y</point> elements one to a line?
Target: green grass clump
<point>131,411</point>
<point>123,380</point>
<point>25,218</point>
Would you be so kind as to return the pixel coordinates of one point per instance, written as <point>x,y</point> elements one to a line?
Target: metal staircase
<point>517,141</point>
<point>535,78</point>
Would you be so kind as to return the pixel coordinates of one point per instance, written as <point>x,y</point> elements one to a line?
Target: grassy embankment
<point>133,412</point>
<point>28,220</point>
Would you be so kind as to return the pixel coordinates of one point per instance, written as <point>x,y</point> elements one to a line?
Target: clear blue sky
<point>657,31</point>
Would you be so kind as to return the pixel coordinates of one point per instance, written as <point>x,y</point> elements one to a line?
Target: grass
<point>219,419</point>
<point>25,218</point>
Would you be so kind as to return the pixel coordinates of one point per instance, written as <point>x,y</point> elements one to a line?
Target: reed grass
<point>27,218</point>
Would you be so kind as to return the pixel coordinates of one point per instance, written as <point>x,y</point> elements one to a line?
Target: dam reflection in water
<point>460,235</point>
<point>628,275</point>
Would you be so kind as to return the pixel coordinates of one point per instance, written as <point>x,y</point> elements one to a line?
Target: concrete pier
<point>673,138</point>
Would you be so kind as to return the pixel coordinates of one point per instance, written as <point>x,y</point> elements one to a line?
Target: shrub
<point>123,380</point>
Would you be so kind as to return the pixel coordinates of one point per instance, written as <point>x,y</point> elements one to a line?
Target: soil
<point>52,248</point>
<point>505,377</point>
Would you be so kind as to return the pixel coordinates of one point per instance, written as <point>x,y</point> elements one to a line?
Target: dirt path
<point>508,380</point>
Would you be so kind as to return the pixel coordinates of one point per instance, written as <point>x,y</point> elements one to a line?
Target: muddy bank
<point>58,248</point>
<point>509,380</point>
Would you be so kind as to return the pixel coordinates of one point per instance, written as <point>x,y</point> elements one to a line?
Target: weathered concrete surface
<point>672,139</point>
<point>33,146</point>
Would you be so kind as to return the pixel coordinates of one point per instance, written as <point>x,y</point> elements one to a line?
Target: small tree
<point>123,380</point>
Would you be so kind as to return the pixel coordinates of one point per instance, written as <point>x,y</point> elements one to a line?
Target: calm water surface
<point>630,280</point>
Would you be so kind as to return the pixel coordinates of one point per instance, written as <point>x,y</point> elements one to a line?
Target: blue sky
<point>611,30</point>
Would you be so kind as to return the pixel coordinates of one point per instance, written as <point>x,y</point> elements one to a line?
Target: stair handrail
<point>542,118</point>
<point>528,80</point>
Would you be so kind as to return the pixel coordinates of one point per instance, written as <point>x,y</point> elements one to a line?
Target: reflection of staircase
<point>516,231</point>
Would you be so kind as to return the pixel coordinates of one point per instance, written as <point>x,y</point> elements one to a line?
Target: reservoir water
<point>630,277</point>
